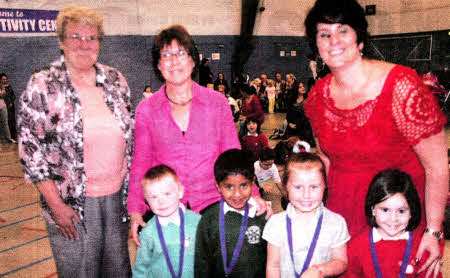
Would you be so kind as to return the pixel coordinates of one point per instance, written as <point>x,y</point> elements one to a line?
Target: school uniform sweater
<point>389,254</point>
<point>208,255</point>
<point>150,260</point>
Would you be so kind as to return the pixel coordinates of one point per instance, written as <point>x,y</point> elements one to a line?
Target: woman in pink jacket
<point>183,125</point>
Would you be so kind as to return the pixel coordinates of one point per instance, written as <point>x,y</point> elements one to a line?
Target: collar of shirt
<point>174,218</point>
<point>290,210</point>
<point>377,236</point>
<point>252,134</point>
<point>251,210</point>
<point>100,77</point>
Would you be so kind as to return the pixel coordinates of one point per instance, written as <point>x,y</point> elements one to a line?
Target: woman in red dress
<point>251,107</point>
<point>370,115</point>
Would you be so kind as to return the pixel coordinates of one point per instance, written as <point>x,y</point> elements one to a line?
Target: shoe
<point>12,141</point>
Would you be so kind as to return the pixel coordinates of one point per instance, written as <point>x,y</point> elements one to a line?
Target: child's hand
<point>267,188</point>
<point>312,272</point>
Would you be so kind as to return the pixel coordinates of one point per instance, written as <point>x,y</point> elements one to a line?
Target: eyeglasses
<point>88,39</point>
<point>180,54</point>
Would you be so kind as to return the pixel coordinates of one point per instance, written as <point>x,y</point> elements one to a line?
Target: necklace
<point>237,250</point>
<point>179,103</point>
<point>406,255</point>
<point>164,246</point>
<point>311,248</point>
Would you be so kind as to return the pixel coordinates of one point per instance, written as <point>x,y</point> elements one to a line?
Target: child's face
<point>148,89</point>
<point>305,189</point>
<point>266,165</point>
<point>392,215</point>
<point>236,190</point>
<point>163,195</point>
<point>252,127</point>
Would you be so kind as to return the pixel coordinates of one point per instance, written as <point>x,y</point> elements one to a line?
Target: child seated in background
<point>254,141</point>
<point>168,241</point>
<point>307,239</point>
<point>147,92</point>
<point>387,249</point>
<point>229,239</point>
<point>265,169</point>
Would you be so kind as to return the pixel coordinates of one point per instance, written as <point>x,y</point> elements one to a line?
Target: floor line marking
<point>25,266</point>
<point>22,244</point>
<point>22,206</point>
<point>20,221</point>
<point>34,229</point>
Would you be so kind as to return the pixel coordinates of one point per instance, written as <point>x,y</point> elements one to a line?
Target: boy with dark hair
<point>229,239</point>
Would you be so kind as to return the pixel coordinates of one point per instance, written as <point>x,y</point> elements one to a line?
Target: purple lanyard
<point>405,261</point>
<point>240,242</point>
<point>164,246</point>
<point>312,246</point>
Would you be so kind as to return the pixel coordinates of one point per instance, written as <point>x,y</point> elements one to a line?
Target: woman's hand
<point>293,126</point>
<point>64,216</point>
<point>242,117</point>
<point>262,206</point>
<point>312,272</point>
<point>432,265</point>
<point>136,221</point>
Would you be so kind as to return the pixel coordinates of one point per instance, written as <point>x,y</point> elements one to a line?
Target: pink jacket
<point>158,140</point>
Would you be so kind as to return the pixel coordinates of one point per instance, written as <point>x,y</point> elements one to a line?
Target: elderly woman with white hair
<point>75,142</point>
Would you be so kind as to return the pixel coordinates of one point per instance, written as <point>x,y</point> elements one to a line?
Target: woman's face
<point>220,76</point>
<point>80,46</point>
<point>288,78</point>
<point>337,45</point>
<point>177,67</point>
<point>301,89</point>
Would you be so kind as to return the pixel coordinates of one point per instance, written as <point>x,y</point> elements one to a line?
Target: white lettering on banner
<point>6,14</point>
<point>47,25</point>
<point>14,25</point>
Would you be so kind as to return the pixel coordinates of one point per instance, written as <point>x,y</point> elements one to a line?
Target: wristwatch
<point>437,234</point>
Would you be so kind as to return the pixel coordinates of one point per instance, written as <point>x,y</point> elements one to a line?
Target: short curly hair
<point>79,14</point>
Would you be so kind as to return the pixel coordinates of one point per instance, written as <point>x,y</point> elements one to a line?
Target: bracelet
<point>437,234</point>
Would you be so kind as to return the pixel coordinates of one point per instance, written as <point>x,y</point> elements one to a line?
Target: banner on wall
<point>27,21</point>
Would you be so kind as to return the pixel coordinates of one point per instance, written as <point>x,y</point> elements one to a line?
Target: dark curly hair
<point>347,12</point>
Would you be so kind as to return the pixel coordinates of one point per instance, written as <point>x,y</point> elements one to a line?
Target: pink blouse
<point>159,140</point>
<point>104,145</point>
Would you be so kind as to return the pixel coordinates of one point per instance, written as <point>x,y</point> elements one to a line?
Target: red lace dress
<point>377,135</point>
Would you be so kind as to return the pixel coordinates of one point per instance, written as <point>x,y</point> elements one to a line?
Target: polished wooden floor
<point>25,248</point>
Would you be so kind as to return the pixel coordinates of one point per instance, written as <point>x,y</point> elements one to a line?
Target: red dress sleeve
<point>414,108</point>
